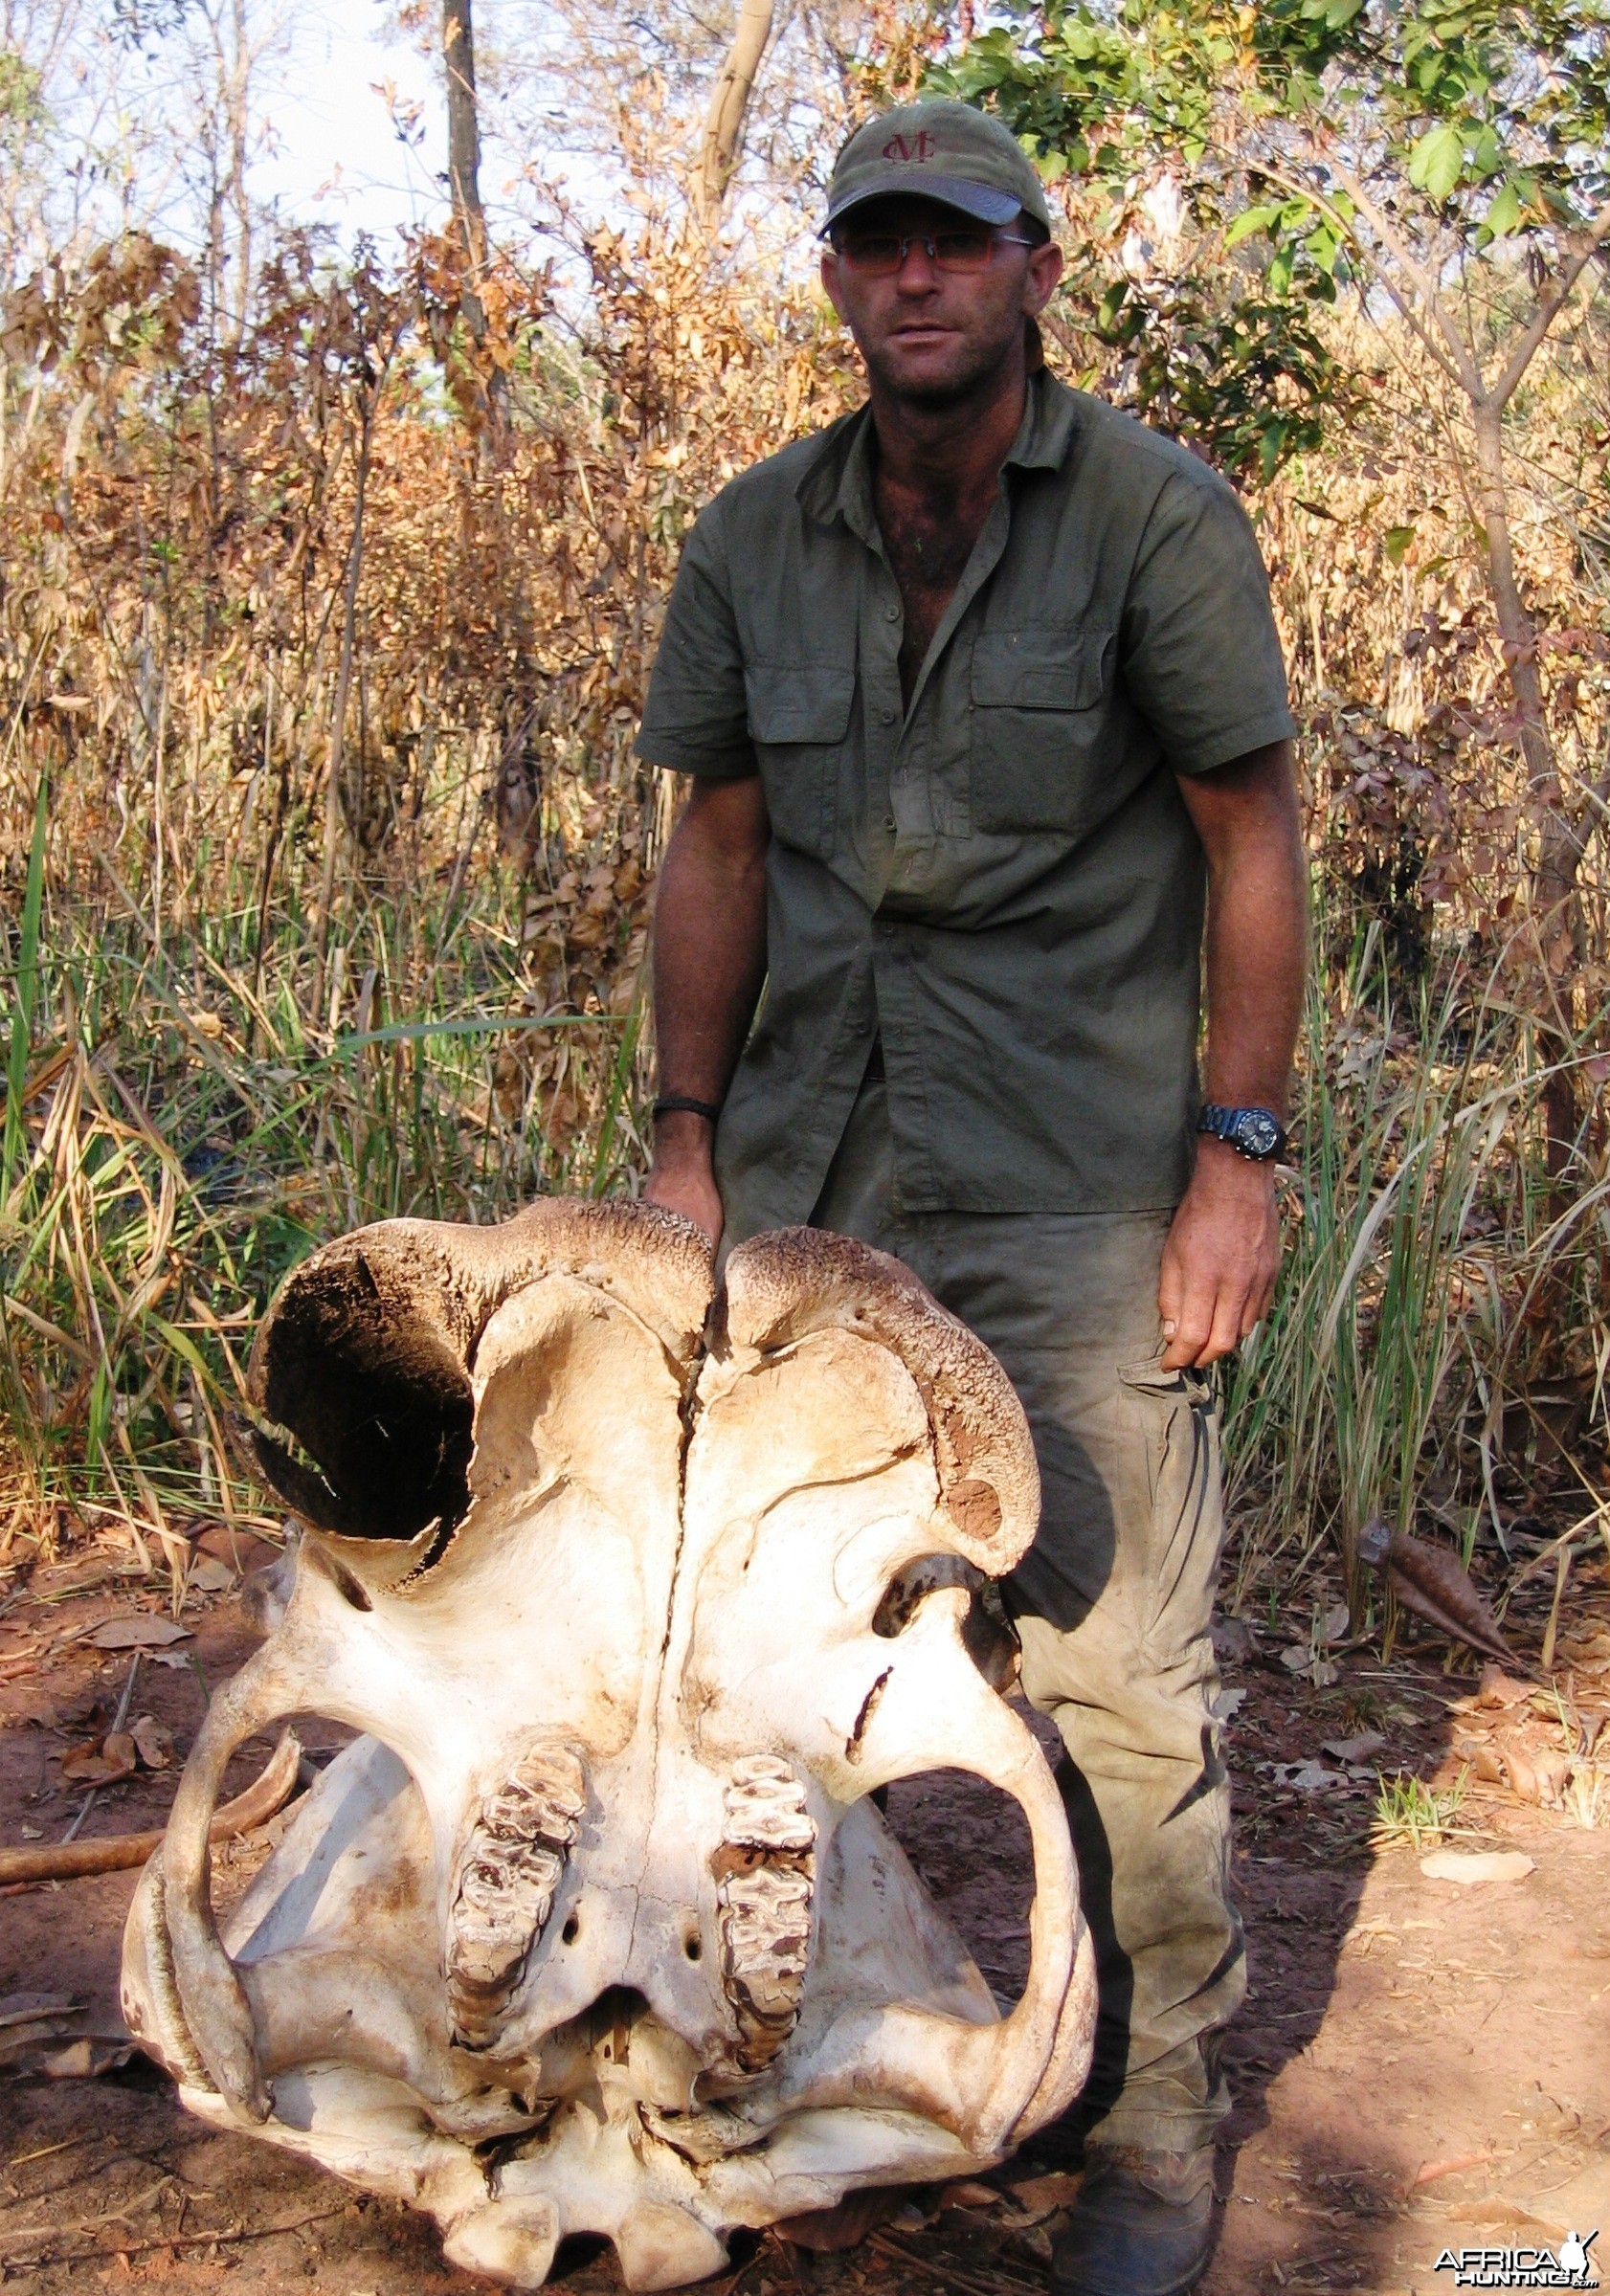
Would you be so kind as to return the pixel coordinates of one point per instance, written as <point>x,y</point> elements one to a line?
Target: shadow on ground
<point>1419,2065</point>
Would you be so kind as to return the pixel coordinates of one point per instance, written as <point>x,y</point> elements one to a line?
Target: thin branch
<point>1550,304</point>
<point>1302,190</point>
<point>1463,367</point>
<point>229,2237</point>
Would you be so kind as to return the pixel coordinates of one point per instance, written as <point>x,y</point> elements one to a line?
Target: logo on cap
<point>922,148</point>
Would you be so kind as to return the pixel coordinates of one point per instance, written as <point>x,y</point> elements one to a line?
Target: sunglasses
<point>880,254</point>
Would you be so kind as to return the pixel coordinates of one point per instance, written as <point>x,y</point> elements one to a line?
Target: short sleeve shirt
<point>1001,881</point>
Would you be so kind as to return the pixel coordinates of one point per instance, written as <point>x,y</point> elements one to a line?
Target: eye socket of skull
<point>375,1399</point>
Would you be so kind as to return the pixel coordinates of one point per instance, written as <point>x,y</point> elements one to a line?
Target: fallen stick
<point>941,2268</point>
<point>1432,2171</point>
<point>111,1853</point>
<point>116,2216</point>
<point>230,2236</point>
<point>124,1704</point>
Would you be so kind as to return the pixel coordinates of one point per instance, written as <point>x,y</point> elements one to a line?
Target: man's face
<point>929,335</point>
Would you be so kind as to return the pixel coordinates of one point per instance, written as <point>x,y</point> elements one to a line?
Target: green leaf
<point>1436,161</point>
<point>1248,221</point>
<point>1113,301</point>
<point>1323,246</point>
<point>1504,212</point>
<point>1395,543</point>
<point>1487,158</point>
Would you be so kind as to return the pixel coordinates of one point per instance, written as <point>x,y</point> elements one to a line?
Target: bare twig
<point>230,2236</point>
<point>1550,304</point>
<point>115,2216</point>
<point>88,1802</point>
<point>67,1860</point>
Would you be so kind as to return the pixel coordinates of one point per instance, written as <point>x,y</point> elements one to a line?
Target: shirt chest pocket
<point>798,718</point>
<point>1037,715</point>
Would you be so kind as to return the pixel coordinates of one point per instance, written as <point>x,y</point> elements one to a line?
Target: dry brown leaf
<point>1522,1776</point>
<point>1501,1689</point>
<point>1434,1583</point>
<point>99,1765</point>
<point>1354,1750</point>
<point>153,1742</point>
<point>1499,2214</point>
<point>208,1576</point>
<point>1476,1865</point>
<point>1553,1772</point>
<point>1046,2194</point>
<point>140,1633</point>
<point>86,2058</point>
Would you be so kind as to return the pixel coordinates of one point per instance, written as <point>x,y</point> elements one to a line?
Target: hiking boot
<point>1141,2226</point>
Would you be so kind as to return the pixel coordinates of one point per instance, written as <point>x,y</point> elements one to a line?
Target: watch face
<point>1257,1133</point>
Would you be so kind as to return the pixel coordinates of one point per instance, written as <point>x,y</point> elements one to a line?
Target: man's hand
<point>682,1177</point>
<point>709,960</point>
<point>1221,1260</point>
<point>1222,1254</point>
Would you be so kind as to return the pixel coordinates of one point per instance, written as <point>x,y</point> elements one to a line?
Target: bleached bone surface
<point>636,1593</point>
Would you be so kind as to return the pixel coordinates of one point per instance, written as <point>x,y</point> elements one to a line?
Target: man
<point>983,702</point>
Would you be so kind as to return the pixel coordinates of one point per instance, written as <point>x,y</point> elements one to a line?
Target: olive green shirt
<point>1002,882</point>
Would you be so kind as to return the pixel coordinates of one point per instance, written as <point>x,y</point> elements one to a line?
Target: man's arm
<point>709,961</point>
<point>1222,1253</point>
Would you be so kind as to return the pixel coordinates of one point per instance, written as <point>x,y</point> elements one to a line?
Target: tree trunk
<point>725,124</point>
<point>463,144</point>
<point>1555,880</point>
<point>469,216</point>
<point>338,721</point>
<point>241,140</point>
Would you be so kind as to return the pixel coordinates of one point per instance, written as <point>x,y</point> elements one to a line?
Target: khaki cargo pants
<point>1111,1604</point>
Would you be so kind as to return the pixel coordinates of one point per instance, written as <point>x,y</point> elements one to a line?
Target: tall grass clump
<point>1433,1282</point>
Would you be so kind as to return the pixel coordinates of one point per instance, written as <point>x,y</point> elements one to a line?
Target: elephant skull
<point>594,1927</point>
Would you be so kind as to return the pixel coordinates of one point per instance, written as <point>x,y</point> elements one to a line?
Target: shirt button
<point>891,614</point>
<point>887,716</point>
<point>888,820</point>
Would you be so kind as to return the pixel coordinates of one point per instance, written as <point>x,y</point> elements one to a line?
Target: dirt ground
<point>1421,2064</point>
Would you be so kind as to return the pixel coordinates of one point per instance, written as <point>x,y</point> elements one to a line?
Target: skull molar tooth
<point>507,1874</point>
<point>765,1874</point>
<point>766,1806</point>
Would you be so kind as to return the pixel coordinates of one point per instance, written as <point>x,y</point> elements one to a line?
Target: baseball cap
<point>938,150</point>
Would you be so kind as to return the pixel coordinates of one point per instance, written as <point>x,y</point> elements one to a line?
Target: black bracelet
<point>680,1103</point>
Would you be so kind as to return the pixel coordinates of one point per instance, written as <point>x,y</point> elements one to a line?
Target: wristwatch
<point>1254,1133</point>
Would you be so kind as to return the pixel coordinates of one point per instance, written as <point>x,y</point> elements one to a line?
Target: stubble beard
<point>981,367</point>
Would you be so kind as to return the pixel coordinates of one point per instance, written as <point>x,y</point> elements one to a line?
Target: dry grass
<point>329,865</point>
